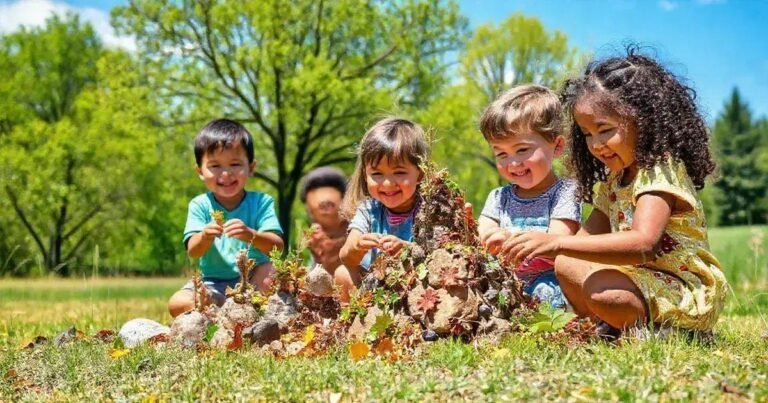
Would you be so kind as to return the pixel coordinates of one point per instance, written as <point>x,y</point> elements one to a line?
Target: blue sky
<point>716,44</point>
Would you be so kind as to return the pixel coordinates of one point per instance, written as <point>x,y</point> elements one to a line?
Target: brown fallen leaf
<point>237,338</point>
<point>34,343</point>
<point>384,347</point>
<point>104,335</point>
<point>728,388</point>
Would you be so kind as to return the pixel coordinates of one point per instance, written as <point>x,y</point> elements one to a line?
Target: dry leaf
<point>34,343</point>
<point>358,350</point>
<point>428,300</point>
<point>105,335</point>
<point>727,388</point>
<point>237,339</point>
<point>119,353</point>
<point>384,346</point>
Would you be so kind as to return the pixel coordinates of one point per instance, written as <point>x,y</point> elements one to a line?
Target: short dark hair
<point>221,134</point>
<point>321,178</point>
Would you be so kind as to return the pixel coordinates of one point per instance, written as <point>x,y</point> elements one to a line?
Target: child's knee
<point>609,289</point>
<point>346,277</point>
<point>180,302</point>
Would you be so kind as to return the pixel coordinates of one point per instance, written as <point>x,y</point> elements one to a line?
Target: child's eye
<point>522,150</point>
<point>401,173</point>
<point>501,155</point>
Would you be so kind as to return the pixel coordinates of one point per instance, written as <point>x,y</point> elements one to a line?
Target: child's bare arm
<point>563,227</point>
<point>619,248</point>
<point>486,226</point>
<point>597,223</point>
<point>199,243</point>
<point>356,246</point>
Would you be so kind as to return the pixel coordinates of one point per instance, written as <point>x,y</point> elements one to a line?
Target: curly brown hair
<point>661,107</point>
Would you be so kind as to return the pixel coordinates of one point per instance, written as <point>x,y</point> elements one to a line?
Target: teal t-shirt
<point>257,211</point>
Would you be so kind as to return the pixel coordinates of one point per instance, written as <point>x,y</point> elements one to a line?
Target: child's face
<point>609,138</point>
<point>225,172</point>
<point>393,184</point>
<point>525,159</point>
<point>323,206</point>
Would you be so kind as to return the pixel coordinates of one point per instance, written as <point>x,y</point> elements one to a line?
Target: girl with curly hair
<point>640,150</point>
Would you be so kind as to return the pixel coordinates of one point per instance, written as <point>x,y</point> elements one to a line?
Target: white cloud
<point>34,13</point>
<point>667,5</point>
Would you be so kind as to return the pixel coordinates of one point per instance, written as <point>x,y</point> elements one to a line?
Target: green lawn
<point>520,367</point>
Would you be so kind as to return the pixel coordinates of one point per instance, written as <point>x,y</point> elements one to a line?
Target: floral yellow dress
<point>683,284</point>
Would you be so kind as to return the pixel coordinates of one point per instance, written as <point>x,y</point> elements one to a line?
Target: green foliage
<point>82,161</point>
<point>741,144</point>
<point>548,319</point>
<point>306,76</point>
<point>380,326</point>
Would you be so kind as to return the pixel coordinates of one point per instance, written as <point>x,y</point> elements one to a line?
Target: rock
<point>137,331</point>
<point>484,311</point>
<point>263,332</point>
<point>282,307</point>
<point>455,302</point>
<point>429,335</point>
<point>360,328</point>
<point>65,337</point>
<point>188,329</point>
<point>494,327</point>
<point>232,313</point>
<point>491,295</point>
<point>222,338</point>
<point>319,282</point>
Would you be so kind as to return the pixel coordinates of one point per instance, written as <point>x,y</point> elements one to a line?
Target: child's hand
<point>212,230</point>
<point>391,244</point>
<point>318,240</point>
<point>494,240</point>
<point>367,242</point>
<point>522,246</point>
<point>237,229</point>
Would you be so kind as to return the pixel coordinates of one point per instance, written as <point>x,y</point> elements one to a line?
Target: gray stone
<point>455,302</point>
<point>263,332</point>
<point>231,314</point>
<point>222,338</point>
<point>319,282</point>
<point>282,307</point>
<point>188,329</point>
<point>137,331</point>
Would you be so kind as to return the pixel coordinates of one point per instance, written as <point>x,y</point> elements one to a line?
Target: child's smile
<point>225,172</point>
<point>525,159</point>
<point>610,139</point>
<point>394,185</point>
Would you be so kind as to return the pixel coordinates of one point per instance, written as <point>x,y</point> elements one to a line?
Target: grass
<point>519,367</point>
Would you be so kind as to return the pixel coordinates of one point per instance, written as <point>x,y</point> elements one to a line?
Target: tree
<point>79,154</point>
<point>519,50</point>
<point>743,182</point>
<point>307,76</point>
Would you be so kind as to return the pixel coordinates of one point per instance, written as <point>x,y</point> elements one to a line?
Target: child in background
<point>322,191</point>
<point>224,156</point>
<point>523,127</point>
<point>643,255</point>
<point>382,198</point>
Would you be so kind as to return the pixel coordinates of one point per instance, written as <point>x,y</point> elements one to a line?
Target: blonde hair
<point>523,108</point>
<point>395,138</point>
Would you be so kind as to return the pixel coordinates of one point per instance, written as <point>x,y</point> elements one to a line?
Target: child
<point>643,254</point>
<point>322,190</point>
<point>224,155</point>
<point>523,127</point>
<point>382,196</point>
